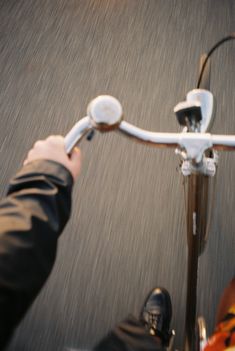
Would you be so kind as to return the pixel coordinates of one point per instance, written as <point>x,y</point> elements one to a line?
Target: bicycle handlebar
<point>105,114</point>
<point>79,130</point>
<point>218,142</point>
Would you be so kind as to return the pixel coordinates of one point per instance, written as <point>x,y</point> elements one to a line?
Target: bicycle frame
<point>105,114</point>
<point>197,207</point>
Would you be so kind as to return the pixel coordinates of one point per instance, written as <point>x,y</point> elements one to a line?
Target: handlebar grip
<point>79,130</point>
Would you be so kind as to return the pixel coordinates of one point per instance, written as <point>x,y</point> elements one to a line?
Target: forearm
<point>32,217</point>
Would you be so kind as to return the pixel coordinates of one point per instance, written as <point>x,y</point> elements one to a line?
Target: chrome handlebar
<point>105,114</point>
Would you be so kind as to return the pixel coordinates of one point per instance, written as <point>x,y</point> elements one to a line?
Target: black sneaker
<point>156,314</point>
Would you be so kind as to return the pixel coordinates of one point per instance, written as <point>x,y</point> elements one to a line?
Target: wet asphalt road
<point>127,231</point>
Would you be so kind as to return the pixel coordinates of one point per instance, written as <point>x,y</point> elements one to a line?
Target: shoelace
<point>153,321</point>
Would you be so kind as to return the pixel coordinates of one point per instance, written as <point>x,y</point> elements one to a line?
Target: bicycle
<point>198,153</point>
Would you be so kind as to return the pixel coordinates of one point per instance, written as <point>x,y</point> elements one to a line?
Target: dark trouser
<point>129,335</point>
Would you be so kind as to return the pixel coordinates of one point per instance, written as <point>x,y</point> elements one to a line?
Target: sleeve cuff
<point>46,168</point>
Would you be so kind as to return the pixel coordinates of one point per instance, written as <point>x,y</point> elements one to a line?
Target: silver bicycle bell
<point>105,112</point>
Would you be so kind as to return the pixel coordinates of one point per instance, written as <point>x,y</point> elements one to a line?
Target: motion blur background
<point>127,232</point>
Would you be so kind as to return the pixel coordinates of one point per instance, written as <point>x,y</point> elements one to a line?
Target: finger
<point>38,143</point>
<point>31,153</point>
<point>55,139</point>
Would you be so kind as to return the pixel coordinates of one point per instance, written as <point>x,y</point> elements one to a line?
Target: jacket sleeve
<point>32,217</point>
<point>130,334</point>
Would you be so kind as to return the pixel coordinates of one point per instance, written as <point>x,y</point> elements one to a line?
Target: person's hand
<point>53,148</point>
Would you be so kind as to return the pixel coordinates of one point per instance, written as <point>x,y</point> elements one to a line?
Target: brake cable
<point>220,42</point>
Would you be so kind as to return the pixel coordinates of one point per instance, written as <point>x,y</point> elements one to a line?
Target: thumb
<point>75,156</point>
